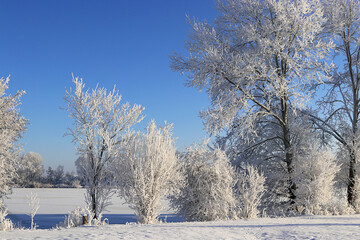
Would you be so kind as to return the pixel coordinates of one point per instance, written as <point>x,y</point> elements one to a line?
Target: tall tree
<point>256,64</point>
<point>12,125</point>
<point>99,121</point>
<point>340,106</point>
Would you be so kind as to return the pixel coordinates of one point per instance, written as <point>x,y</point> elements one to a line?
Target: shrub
<point>5,223</point>
<point>75,218</point>
<point>250,189</point>
<point>314,175</point>
<point>207,193</point>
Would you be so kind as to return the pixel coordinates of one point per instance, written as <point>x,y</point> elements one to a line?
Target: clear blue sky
<point>110,42</point>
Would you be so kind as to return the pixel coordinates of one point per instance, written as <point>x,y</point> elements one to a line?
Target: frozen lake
<point>55,203</point>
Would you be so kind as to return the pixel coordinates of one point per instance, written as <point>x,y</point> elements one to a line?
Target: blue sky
<point>110,42</point>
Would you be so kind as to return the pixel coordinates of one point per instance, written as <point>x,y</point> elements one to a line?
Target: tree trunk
<point>93,205</point>
<point>289,165</point>
<point>287,147</point>
<point>351,182</point>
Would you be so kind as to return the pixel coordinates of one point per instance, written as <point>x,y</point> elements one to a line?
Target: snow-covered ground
<point>306,227</point>
<point>57,201</point>
<point>60,201</point>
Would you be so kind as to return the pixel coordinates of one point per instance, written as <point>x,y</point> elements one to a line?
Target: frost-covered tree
<point>256,65</point>
<point>314,176</point>
<point>266,157</point>
<point>148,170</point>
<point>12,125</point>
<point>34,203</point>
<point>250,189</point>
<point>29,169</point>
<point>207,193</point>
<point>340,106</point>
<point>100,118</point>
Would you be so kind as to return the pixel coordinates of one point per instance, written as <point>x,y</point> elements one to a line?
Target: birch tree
<point>340,105</point>
<point>100,118</point>
<point>256,64</point>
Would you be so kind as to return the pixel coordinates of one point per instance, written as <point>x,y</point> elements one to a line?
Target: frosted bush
<point>207,193</point>
<point>5,223</point>
<point>147,170</point>
<point>250,189</point>
<point>314,175</point>
<point>75,218</point>
<point>76,184</point>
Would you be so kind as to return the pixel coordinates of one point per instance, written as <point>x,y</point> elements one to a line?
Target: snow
<point>65,200</point>
<point>305,227</point>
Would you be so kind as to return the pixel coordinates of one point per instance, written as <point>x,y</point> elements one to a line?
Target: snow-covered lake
<point>55,203</point>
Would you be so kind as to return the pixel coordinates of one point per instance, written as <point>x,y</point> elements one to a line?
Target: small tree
<point>250,189</point>
<point>34,204</point>
<point>30,169</point>
<point>314,177</point>
<point>99,121</point>
<point>207,193</point>
<point>147,169</point>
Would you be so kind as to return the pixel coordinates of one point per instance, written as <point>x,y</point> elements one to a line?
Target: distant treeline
<point>31,174</point>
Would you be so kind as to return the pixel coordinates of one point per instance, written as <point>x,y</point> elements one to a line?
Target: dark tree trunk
<point>287,147</point>
<point>93,205</point>
<point>351,182</point>
<point>289,165</point>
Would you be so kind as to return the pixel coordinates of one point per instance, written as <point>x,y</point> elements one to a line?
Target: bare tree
<point>99,121</point>
<point>256,65</point>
